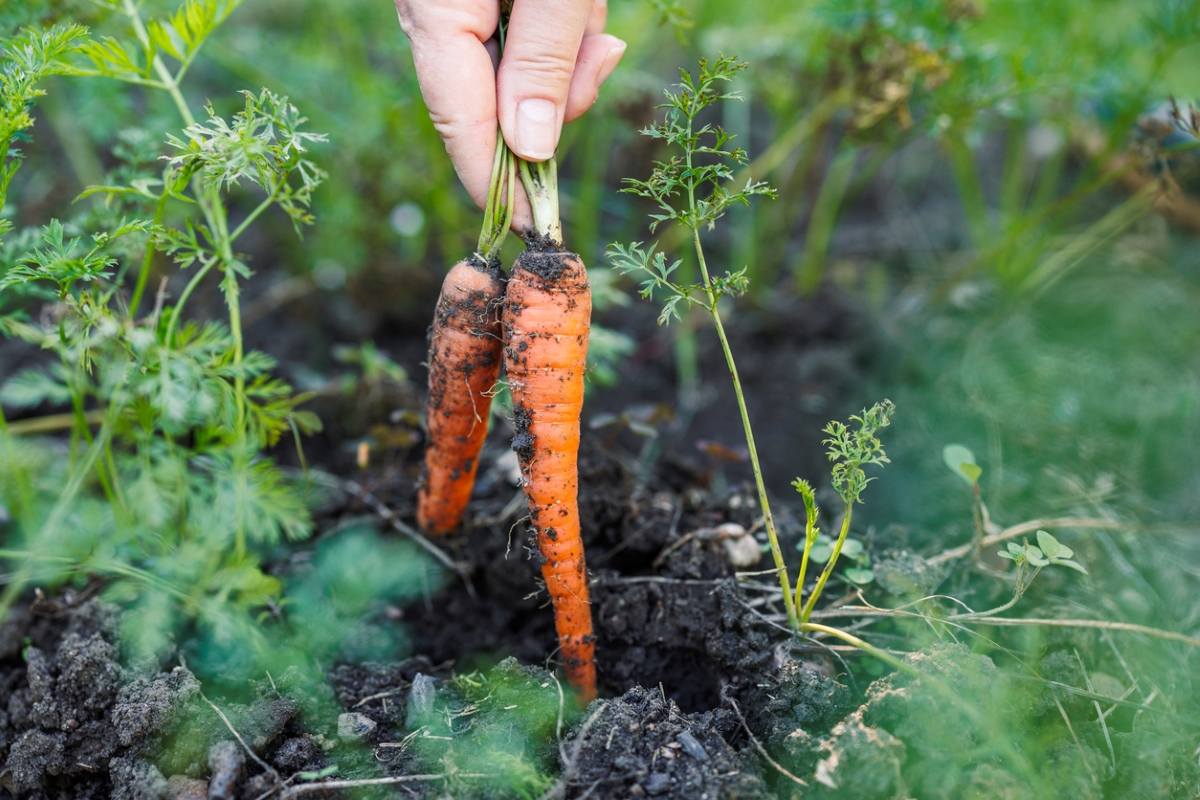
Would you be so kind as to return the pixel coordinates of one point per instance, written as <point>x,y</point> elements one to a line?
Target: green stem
<point>498,211</point>
<point>978,520</point>
<point>168,80</point>
<point>768,519</point>
<point>810,538</point>
<point>540,180</point>
<point>173,323</point>
<point>148,259</point>
<point>1019,592</point>
<point>825,573</point>
<point>249,220</point>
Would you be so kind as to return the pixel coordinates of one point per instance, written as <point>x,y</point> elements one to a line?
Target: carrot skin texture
<point>464,364</point>
<point>547,314</point>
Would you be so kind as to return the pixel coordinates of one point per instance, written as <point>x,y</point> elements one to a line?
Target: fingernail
<point>536,128</point>
<point>611,59</point>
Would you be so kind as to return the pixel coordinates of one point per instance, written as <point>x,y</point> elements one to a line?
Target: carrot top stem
<point>540,180</point>
<point>498,211</point>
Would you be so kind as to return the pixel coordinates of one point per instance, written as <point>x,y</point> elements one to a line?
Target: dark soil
<point>678,642</point>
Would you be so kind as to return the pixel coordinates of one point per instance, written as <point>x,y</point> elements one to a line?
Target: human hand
<point>556,56</point>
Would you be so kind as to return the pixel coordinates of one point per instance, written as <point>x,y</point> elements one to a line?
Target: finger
<point>598,57</point>
<point>597,18</point>
<point>535,74</point>
<point>457,81</point>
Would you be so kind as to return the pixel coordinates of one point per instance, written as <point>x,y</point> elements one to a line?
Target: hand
<point>556,56</point>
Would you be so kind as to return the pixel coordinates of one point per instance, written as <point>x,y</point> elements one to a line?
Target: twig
<point>851,611</point>
<point>390,517</point>
<point>1099,714</point>
<point>1078,744</point>
<point>1092,623</point>
<point>324,786</point>
<point>762,750</point>
<point>267,767</point>
<point>1029,527</point>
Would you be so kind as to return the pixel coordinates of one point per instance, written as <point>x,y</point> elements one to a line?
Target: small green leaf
<point>1035,556</point>
<point>1064,562</point>
<point>316,776</point>
<point>821,553</point>
<point>959,459</point>
<point>859,576</point>
<point>1015,549</point>
<point>1051,546</point>
<point>852,548</point>
<point>1006,554</point>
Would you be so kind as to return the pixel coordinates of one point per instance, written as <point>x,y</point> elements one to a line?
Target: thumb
<point>535,73</point>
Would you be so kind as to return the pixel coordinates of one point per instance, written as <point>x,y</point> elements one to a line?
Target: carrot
<point>464,363</point>
<point>547,314</point>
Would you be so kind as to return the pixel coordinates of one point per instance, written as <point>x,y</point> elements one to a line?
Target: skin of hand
<point>556,57</point>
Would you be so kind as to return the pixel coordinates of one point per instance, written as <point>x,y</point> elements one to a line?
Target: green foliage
<point>1050,552</point>
<point>700,175</point>
<point>690,189</point>
<point>28,60</point>
<point>853,449</point>
<point>961,462</point>
<point>171,499</point>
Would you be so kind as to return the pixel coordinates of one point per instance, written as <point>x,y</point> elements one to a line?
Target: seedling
<point>961,462</point>
<point>692,190</point>
<point>851,450</point>
<point>1030,560</point>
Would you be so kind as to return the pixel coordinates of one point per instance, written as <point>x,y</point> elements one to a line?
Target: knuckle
<point>545,68</point>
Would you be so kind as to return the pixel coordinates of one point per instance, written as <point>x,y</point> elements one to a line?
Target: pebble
<point>693,747</point>
<point>225,760</point>
<point>354,726</point>
<point>658,782</point>
<point>420,700</point>
<point>743,551</point>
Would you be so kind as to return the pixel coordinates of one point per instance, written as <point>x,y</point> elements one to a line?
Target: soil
<point>678,642</point>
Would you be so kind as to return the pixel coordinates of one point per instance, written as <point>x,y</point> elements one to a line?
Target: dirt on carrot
<point>547,313</point>
<point>464,364</point>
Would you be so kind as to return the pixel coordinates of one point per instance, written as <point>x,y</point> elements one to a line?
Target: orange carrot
<point>464,361</point>
<point>547,314</point>
<point>464,364</point>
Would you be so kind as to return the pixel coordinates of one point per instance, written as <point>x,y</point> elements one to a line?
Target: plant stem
<point>183,298</point>
<point>810,538</point>
<point>498,211</point>
<point>978,545</point>
<point>168,80</point>
<point>825,573</point>
<point>540,180</point>
<point>148,259</point>
<point>768,519</point>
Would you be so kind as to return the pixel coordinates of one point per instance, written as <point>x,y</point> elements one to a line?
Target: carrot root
<point>464,365</point>
<point>547,314</point>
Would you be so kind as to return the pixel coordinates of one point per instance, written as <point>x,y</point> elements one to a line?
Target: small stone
<point>420,700</point>
<point>743,551</point>
<point>658,782</point>
<point>354,726</point>
<point>692,746</point>
<point>181,787</point>
<point>637,791</point>
<point>225,760</point>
